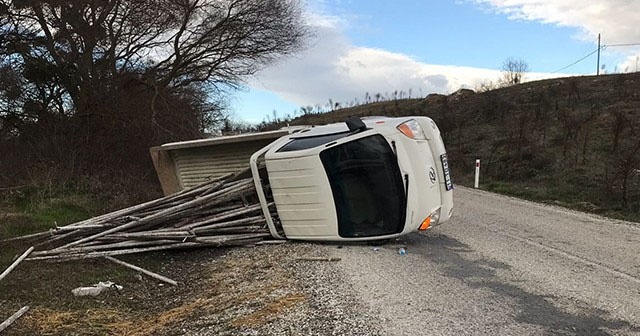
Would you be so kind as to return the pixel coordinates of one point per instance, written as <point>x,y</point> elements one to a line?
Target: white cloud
<point>615,19</point>
<point>335,69</point>
<point>630,64</point>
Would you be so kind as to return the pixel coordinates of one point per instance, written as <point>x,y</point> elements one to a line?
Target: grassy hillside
<point>570,141</point>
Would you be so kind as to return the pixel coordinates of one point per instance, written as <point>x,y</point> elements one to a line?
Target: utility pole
<point>598,70</point>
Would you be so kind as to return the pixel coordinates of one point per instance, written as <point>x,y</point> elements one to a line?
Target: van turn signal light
<point>425,224</point>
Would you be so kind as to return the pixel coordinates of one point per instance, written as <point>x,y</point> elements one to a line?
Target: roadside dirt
<point>220,292</point>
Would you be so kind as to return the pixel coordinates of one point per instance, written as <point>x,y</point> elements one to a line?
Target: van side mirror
<point>355,124</point>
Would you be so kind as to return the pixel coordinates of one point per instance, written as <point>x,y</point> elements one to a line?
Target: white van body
<point>331,183</point>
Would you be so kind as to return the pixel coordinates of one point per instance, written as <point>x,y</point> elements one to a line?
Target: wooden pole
<point>30,236</point>
<point>598,70</point>
<point>112,246</point>
<point>74,256</point>
<point>319,259</point>
<point>248,220</point>
<point>222,216</point>
<point>15,263</point>
<point>142,270</point>
<point>13,318</point>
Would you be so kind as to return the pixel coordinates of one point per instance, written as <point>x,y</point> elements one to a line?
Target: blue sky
<point>379,46</point>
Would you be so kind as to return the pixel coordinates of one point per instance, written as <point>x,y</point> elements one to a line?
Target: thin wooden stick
<point>272,242</point>
<point>242,229</point>
<point>83,227</point>
<point>224,215</point>
<point>58,237</point>
<point>213,200</point>
<point>146,235</point>
<point>236,222</point>
<point>112,246</point>
<point>236,242</point>
<point>217,210</point>
<point>15,263</point>
<point>116,252</point>
<point>319,259</point>
<point>13,188</point>
<point>142,270</point>
<point>30,236</point>
<point>13,318</point>
<point>221,240</point>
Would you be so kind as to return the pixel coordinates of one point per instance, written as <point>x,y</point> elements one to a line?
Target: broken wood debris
<point>221,212</point>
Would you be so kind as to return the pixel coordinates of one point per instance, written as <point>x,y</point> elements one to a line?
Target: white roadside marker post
<point>477,183</point>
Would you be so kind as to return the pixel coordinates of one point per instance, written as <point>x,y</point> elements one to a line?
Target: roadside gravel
<point>268,290</point>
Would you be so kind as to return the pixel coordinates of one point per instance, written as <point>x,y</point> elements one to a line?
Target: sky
<point>429,46</point>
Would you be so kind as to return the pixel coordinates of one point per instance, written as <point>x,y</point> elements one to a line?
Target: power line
<point>600,48</point>
<point>623,45</point>
<point>578,61</point>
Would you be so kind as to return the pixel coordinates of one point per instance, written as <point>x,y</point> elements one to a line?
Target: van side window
<point>311,141</point>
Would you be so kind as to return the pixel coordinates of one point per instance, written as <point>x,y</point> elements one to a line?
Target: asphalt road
<point>503,266</point>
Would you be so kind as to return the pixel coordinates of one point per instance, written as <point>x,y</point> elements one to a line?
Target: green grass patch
<point>62,213</point>
<point>24,215</point>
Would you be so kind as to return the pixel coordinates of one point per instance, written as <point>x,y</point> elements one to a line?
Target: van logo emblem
<point>432,175</point>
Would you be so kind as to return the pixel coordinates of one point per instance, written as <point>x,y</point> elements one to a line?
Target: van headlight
<point>435,217</point>
<point>412,129</point>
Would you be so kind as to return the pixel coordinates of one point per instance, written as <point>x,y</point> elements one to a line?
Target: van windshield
<point>367,187</point>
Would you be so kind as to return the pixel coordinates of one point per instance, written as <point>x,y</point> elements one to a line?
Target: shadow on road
<point>453,256</point>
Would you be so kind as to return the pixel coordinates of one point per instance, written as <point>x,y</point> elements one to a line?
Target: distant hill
<point>572,141</point>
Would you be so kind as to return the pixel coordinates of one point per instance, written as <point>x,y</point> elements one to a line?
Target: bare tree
<point>513,71</point>
<point>306,110</point>
<point>485,86</point>
<point>84,68</point>
<point>171,43</point>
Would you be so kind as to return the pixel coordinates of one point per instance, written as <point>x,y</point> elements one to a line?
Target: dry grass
<point>42,321</point>
<point>152,325</point>
<point>268,312</point>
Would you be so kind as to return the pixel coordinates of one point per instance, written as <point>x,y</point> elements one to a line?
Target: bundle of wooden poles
<point>221,212</point>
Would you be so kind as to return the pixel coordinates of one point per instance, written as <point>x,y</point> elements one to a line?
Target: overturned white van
<point>366,179</point>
